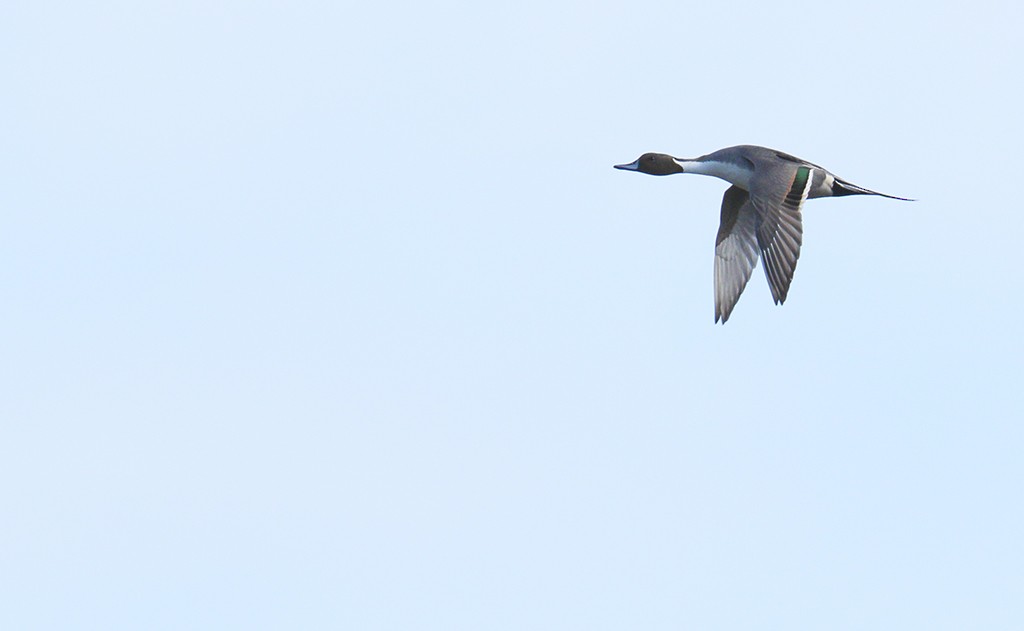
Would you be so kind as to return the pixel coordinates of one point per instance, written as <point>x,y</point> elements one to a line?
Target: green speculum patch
<point>796,191</point>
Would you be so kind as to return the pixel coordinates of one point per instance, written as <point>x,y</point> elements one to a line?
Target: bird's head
<point>653,164</point>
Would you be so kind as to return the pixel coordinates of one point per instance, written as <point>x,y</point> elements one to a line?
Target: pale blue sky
<point>330,315</point>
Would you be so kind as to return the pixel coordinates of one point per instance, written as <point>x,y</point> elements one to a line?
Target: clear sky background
<point>323,315</point>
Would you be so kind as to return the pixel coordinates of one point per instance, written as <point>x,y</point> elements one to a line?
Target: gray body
<point>760,212</point>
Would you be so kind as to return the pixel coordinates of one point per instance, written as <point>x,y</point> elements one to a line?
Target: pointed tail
<point>842,187</point>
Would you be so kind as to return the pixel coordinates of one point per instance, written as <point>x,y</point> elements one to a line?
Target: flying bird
<point>760,212</point>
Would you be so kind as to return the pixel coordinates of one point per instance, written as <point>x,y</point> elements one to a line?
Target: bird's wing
<point>735,250</point>
<point>777,196</point>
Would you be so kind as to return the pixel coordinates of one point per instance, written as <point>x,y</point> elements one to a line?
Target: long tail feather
<point>842,187</point>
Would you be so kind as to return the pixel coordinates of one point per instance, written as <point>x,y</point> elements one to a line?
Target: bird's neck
<point>729,171</point>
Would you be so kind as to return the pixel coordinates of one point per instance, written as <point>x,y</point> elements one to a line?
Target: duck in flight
<point>760,212</point>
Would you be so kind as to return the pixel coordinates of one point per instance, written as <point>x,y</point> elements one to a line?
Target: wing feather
<point>735,250</point>
<point>777,198</point>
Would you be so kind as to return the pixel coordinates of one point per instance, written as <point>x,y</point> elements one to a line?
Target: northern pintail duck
<point>760,212</point>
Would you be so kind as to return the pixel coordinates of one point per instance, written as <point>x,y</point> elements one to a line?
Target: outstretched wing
<point>735,250</point>
<point>777,197</point>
